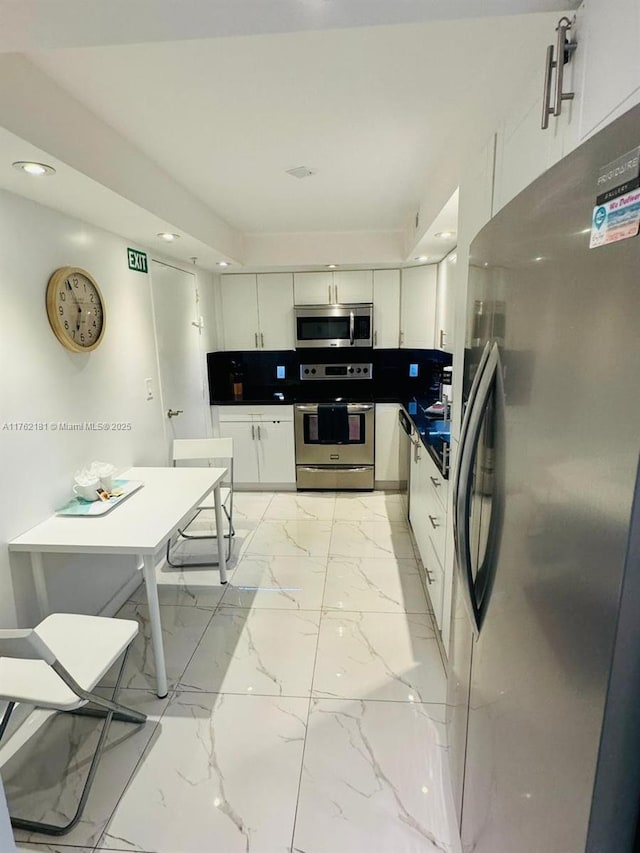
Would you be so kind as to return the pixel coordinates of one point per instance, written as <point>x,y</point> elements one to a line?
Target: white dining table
<point>138,526</point>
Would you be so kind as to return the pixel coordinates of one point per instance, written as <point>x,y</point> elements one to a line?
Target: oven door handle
<point>354,408</point>
<point>352,328</point>
<point>313,408</point>
<point>405,423</point>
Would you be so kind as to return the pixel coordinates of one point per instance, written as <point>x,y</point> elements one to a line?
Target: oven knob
<point>313,370</point>
<point>306,370</point>
<point>366,370</point>
<point>351,370</point>
<point>358,370</point>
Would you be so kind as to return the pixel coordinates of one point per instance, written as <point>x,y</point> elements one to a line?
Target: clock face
<point>75,309</point>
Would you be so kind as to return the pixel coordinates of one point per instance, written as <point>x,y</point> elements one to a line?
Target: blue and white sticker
<point>616,220</point>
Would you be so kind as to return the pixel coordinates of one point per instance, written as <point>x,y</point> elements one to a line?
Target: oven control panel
<point>336,371</point>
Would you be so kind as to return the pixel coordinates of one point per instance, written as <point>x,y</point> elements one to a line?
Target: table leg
<point>151,586</point>
<point>222,561</point>
<point>41,587</point>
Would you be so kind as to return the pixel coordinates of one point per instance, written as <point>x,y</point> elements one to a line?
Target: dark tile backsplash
<point>260,383</point>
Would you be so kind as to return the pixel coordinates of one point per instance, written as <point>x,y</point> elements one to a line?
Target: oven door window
<point>356,431</point>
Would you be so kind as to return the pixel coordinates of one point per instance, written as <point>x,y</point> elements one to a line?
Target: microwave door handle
<point>462,503</point>
<point>352,328</point>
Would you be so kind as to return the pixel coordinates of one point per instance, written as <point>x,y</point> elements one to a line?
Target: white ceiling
<point>373,110</point>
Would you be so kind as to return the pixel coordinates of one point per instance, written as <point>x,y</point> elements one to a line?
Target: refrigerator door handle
<point>465,424</point>
<point>477,409</point>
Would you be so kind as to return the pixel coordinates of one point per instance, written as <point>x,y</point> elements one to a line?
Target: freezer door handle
<point>491,377</point>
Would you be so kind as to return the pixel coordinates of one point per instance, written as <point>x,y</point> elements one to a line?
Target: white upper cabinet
<point>313,288</point>
<point>257,311</point>
<point>386,308</point>
<point>239,312</point>
<point>445,302</point>
<point>275,310</point>
<point>328,288</point>
<point>353,285</point>
<point>609,38</point>
<point>418,307</point>
<point>523,149</point>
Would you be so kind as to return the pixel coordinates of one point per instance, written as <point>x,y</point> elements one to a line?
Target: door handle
<point>330,298</point>
<point>442,335</point>
<point>255,337</point>
<point>262,340</point>
<point>253,432</point>
<point>173,413</point>
<point>462,504</point>
<point>352,328</point>
<point>375,339</point>
<point>259,436</point>
<point>564,50</point>
<point>433,519</point>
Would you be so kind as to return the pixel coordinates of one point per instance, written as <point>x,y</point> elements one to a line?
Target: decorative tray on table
<point>121,491</point>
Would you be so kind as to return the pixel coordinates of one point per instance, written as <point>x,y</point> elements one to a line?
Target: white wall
<point>40,381</point>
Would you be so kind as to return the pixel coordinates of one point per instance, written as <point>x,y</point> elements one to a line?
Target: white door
<point>275,310</point>
<point>353,285</point>
<point>277,452</point>
<point>180,353</point>
<point>418,307</point>
<point>240,312</point>
<point>313,288</point>
<point>245,450</point>
<point>386,308</point>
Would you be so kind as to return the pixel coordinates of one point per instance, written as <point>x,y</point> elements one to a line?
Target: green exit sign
<point>137,260</point>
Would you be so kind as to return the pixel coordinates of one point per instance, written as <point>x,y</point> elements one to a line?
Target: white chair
<point>56,665</point>
<point>209,451</point>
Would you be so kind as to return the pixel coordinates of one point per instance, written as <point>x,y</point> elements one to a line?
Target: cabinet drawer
<point>256,413</point>
<point>439,486</point>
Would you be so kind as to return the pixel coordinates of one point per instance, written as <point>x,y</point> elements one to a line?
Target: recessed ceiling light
<point>422,258</point>
<point>538,259</point>
<point>331,266</point>
<point>300,172</point>
<point>168,236</point>
<point>445,235</point>
<point>223,263</point>
<point>32,168</point>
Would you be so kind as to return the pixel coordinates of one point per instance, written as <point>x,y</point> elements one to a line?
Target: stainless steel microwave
<point>334,325</point>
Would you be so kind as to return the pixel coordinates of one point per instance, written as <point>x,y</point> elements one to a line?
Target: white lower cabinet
<point>390,456</point>
<point>428,517</point>
<point>263,444</point>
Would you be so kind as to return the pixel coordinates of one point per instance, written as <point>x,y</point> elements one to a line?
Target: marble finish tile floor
<point>306,706</point>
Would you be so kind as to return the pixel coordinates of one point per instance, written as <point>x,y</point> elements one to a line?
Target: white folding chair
<point>56,665</point>
<point>211,452</point>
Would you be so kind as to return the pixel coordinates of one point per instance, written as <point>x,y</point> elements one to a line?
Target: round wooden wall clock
<point>75,309</point>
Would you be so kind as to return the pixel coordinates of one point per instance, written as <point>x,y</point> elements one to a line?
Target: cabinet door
<point>276,451</point>
<point>275,311</point>
<point>353,285</point>
<point>240,312</point>
<point>418,307</point>
<point>386,308</point>
<point>245,450</point>
<point>313,288</point>
<point>609,39</point>
<point>392,452</point>
<point>445,303</point>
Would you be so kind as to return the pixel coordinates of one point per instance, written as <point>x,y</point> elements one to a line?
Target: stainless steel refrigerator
<point>545,674</point>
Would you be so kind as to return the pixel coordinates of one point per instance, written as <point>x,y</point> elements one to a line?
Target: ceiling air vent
<point>300,172</point>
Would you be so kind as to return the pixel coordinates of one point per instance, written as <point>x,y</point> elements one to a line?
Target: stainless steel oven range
<point>335,440</point>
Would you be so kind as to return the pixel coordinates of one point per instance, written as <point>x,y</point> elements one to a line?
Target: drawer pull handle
<point>433,520</point>
<point>435,482</point>
<point>428,574</point>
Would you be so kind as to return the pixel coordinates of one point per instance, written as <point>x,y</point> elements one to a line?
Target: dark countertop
<point>436,445</point>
